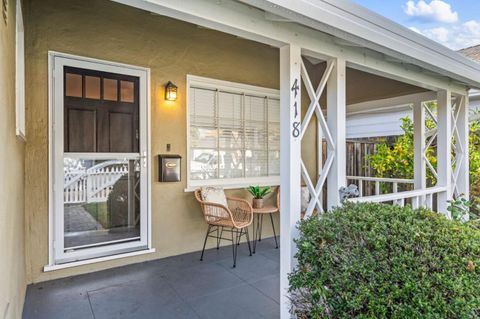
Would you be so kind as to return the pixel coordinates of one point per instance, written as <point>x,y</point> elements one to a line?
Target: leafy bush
<point>475,198</point>
<point>474,155</point>
<point>117,204</point>
<point>462,209</point>
<point>383,261</point>
<point>397,160</point>
<point>98,211</point>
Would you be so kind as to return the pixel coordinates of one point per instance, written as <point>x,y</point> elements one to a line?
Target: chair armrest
<point>215,210</point>
<point>241,210</point>
<point>238,199</point>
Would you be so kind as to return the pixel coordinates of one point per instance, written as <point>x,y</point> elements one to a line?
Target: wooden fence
<point>358,165</point>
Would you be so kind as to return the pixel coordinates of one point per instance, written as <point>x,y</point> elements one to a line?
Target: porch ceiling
<point>363,86</point>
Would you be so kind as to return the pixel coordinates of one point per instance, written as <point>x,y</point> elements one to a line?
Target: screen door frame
<point>57,253</point>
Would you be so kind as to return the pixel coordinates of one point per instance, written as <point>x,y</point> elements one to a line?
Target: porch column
<point>290,165</point>
<point>462,128</point>
<point>336,120</point>
<point>419,166</point>
<point>444,149</point>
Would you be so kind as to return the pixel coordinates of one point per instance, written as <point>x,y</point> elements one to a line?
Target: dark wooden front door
<point>101,112</point>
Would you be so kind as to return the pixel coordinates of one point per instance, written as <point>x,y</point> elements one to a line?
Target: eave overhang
<point>322,28</point>
<point>360,26</point>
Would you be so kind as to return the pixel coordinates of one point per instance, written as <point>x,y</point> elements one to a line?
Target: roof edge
<point>349,21</point>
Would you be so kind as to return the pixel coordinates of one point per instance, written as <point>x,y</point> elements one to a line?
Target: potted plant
<point>258,194</point>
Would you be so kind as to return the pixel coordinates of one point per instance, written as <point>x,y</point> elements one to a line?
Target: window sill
<point>234,184</point>
<point>48,268</point>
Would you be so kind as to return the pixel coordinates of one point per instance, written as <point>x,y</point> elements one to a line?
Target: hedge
<point>385,261</point>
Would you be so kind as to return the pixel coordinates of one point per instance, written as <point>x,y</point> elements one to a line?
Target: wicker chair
<point>234,219</point>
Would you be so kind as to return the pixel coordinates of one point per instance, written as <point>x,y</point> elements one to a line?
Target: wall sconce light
<point>170,91</point>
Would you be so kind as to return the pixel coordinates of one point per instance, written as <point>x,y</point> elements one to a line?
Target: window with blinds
<point>234,134</point>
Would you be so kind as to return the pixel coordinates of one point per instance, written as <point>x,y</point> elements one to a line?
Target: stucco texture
<point>171,49</point>
<point>12,231</point>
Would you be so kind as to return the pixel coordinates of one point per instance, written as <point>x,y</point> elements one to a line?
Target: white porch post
<point>462,157</point>
<point>419,167</point>
<point>319,155</point>
<point>444,149</point>
<point>336,120</point>
<point>290,164</point>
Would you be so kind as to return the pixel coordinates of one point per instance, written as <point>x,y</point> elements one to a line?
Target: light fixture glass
<point>170,91</point>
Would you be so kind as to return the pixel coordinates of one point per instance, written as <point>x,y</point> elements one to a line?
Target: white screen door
<point>99,162</point>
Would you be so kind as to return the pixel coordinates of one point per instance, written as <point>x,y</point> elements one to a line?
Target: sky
<point>453,23</point>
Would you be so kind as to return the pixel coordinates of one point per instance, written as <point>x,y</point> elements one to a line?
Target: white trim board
<point>234,87</point>
<point>97,260</point>
<point>20,74</point>
<point>390,103</point>
<point>235,183</point>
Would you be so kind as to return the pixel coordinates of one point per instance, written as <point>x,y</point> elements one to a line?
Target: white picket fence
<point>94,184</point>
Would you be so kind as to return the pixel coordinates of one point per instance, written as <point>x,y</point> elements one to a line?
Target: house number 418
<point>296,124</point>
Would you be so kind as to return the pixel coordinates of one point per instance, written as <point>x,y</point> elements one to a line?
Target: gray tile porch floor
<point>170,288</point>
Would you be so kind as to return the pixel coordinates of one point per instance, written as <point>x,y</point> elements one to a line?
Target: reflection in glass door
<point>101,202</point>
<point>101,170</point>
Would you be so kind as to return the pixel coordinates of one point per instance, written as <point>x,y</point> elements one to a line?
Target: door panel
<point>114,101</point>
<point>120,132</point>
<point>81,132</point>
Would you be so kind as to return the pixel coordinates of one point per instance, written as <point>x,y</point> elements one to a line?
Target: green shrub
<point>383,261</point>
<point>99,212</point>
<point>397,160</point>
<point>117,204</point>
<point>474,155</point>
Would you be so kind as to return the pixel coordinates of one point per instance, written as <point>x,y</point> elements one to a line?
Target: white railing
<point>93,185</point>
<point>419,197</point>
<point>362,180</point>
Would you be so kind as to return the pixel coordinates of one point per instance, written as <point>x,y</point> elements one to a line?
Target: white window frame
<point>19,74</point>
<point>58,258</point>
<point>194,81</point>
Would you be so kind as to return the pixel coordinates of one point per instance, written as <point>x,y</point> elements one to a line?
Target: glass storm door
<point>100,161</point>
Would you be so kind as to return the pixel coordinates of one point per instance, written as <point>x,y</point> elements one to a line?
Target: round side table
<point>257,227</point>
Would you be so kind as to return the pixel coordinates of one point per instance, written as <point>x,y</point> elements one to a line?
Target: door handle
<point>144,159</point>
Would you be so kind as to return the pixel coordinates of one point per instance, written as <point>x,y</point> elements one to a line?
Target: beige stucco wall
<point>172,49</point>
<point>12,261</point>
